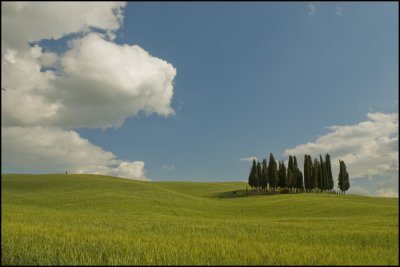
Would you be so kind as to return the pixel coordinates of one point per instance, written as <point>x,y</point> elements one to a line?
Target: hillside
<point>93,220</point>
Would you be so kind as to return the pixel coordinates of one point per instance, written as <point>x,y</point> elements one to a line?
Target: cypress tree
<point>264,175</point>
<point>290,179</point>
<point>259,174</point>
<point>295,163</point>
<point>300,180</point>
<point>252,174</point>
<point>256,179</point>
<point>279,173</point>
<point>329,172</point>
<point>346,179</point>
<point>324,183</point>
<point>314,177</point>
<point>297,175</point>
<point>282,175</point>
<point>341,177</point>
<point>272,172</point>
<point>310,169</point>
<point>307,174</point>
<point>321,178</point>
<point>306,180</point>
<point>343,181</point>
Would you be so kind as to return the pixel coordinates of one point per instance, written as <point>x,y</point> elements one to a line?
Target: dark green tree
<point>329,176</point>
<point>300,180</point>
<point>343,179</point>
<point>259,175</point>
<point>324,178</point>
<point>264,175</point>
<point>297,176</point>
<point>252,174</point>
<point>310,169</point>
<point>307,172</point>
<point>272,172</point>
<point>315,175</point>
<point>290,178</point>
<point>295,163</point>
<point>282,175</point>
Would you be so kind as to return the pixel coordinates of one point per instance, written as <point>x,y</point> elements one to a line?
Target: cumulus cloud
<point>96,83</point>
<point>249,159</point>
<point>56,149</point>
<point>100,85</point>
<point>25,22</point>
<point>369,148</point>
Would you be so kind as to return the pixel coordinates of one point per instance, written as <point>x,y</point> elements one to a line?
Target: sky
<point>193,91</point>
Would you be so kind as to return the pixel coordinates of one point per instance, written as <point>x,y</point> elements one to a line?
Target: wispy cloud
<point>369,149</point>
<point>249,159</point>
<point>168,167</point>
<point>311,9</point>
<point>338,11</point>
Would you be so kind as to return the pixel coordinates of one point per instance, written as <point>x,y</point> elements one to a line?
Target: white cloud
<point>96,83</point>
<point>101,84</point>
<point>339,11</point>
<point>24,22</point>
<point>124,169</point>
<point>168,167</point>
<point>55,149</point>
<point>369,148</point>
<point>311,9</point>
<point>358,190</point>
<point>383,191</point>
<point>249,159</point>
<point>386,193</point>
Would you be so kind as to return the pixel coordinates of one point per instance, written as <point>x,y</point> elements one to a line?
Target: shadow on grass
<point>244,193</point>
<point>251,193</point>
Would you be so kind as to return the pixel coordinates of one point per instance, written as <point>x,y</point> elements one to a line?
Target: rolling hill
<point>58,219</point>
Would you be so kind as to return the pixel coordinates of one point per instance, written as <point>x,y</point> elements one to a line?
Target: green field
<point>94,220</point>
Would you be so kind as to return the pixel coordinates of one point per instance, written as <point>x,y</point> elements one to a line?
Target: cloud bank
<point>369,149</point>
<point>57,150</point>
<point>95,83</point>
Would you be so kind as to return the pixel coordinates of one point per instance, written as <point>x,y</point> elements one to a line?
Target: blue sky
<point>252,78</point>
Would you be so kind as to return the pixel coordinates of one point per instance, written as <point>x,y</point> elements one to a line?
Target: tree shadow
<point>243,193</point>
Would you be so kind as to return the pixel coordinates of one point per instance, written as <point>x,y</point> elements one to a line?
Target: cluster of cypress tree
<point>317,175</point>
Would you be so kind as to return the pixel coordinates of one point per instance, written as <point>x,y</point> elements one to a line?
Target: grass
<point>99,220</point>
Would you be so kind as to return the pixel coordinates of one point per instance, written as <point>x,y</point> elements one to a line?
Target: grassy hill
<point>95,220</point>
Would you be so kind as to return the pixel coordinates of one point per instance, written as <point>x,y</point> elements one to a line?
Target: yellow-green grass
<point>98,220</point>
